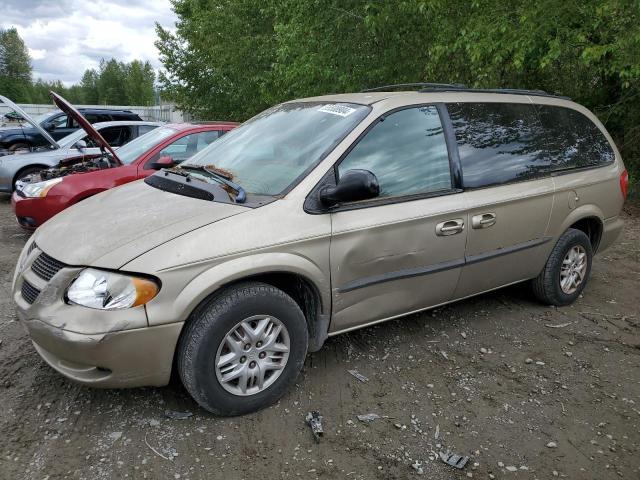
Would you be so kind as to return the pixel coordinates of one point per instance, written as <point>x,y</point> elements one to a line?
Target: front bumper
<point>127,358</point>
<point>100,348</point>
<point>33,212</point>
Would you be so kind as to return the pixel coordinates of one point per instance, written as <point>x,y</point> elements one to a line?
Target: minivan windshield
<point>132,150</point>
<point>271,151</point>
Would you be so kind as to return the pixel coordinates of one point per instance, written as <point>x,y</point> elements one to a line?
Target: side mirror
<point>81,145</point>
<point>163,162</point>
<point>353,186</point>
<point>49,126</point>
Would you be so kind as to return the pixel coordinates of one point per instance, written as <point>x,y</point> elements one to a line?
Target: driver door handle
<point>484,220</point>
<point>450,227</point>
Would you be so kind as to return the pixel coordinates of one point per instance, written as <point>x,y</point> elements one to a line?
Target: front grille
<point>46,267</point>
<point>31,248</point>
<point>29,292</point>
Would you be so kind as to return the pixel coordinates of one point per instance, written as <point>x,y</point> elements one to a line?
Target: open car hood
<point>70,110</point>
<point>28,118</point>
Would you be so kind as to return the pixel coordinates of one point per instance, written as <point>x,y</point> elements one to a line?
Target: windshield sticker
<point>340,110</point>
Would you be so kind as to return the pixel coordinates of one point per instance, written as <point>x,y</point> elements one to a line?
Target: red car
<point>41,196</point>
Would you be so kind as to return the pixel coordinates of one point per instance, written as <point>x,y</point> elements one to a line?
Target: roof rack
<point>419,84</point>
<point>458,87</point>
<point>511,91</point>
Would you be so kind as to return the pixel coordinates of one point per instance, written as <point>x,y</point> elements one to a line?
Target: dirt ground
<point>527,391</point>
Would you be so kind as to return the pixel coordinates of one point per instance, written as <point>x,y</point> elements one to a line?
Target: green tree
<point>230,59</point>
<point>223,54</point>
<point>15,66</point>
<point>89,87</point>
<point>111,82</point>
<point>140,79</point>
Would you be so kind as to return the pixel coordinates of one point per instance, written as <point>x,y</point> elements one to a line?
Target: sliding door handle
<point>483,220</point>
<point>450,227</point>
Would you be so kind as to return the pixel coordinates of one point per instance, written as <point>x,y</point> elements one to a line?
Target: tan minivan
<point>316,217</point>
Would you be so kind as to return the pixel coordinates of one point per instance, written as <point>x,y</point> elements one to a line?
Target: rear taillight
<point>624,184</point>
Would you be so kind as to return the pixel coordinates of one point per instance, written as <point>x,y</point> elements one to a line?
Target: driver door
<point>404,250</point>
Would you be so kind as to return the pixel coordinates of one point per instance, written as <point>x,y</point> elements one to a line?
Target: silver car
<point>76,145</point>
<point>317,217</point>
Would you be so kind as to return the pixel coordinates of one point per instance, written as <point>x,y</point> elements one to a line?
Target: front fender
<point>178,299</point>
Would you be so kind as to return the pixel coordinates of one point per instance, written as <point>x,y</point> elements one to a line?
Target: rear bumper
<point>610,232</point>
<point>33,212</point>
<point>126,358</point>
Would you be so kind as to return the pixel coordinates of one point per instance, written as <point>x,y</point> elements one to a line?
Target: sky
<point>65,37</point>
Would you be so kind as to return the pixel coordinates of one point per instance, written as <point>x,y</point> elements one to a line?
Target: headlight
<point>110,291</point>
<point>39,189</point>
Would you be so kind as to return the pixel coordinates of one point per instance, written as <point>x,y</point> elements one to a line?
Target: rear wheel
<point>242,349</point>
<point>567,270</point>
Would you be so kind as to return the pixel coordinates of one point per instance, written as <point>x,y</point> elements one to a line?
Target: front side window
<point>116,136</point>
<point>574,141</point>
<point>406,151</point>
<point>499,142</point>
<point>267,154</point>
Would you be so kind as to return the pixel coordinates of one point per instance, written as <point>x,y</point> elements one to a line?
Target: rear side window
<point>406,151</point>
<point>499,142</point>
<point>573,140</point>
<point>142,129</point>
<point>96,117</point>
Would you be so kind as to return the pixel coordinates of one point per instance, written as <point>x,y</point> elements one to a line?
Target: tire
<point>19,146</point>
<point>208,335</point>
<point>547,286</point>
<point>26,172</point>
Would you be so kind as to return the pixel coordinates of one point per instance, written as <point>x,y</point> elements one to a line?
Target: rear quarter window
<point>573,140</point>
<point>499,143</point>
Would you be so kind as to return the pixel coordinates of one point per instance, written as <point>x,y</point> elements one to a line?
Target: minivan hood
<point>28,118</point>
<point>112,228</point>
<point>70,110</point>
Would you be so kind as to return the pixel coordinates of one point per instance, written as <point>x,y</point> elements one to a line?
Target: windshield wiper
<point>241,195</point>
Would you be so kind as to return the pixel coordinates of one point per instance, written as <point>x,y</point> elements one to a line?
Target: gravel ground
<point>527,391</point>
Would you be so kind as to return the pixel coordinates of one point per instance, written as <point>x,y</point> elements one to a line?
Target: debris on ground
<point>453,459</point>
<point>560,325</point>
<point>358,375</point>
<point>368,417</point>
<point>314,420</point>
<point>552,445</point>
<point>175,415</point>
<point>418,468</point>
<point>154,450</point>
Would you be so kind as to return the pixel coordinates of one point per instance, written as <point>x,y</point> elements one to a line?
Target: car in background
<point>40,196</point>
<point>57,124</point>
<point>77,146</point>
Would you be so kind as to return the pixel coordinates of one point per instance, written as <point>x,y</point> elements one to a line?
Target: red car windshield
<point>132,150</point>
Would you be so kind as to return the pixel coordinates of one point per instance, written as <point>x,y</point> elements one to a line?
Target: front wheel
<point>242,349</point>
<point>567,270</point>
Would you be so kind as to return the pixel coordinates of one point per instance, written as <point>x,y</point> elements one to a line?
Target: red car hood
<point>70,110</point>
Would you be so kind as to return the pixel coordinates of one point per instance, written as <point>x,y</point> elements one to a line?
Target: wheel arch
<point>27,167</point>
<point>588,219</point>
<point>297,276</point>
